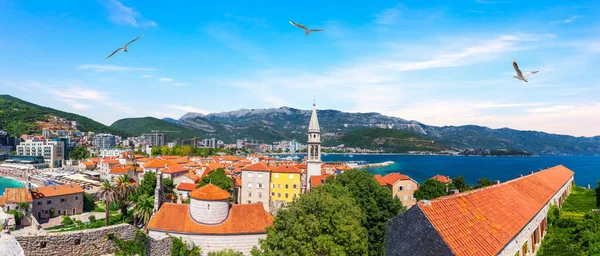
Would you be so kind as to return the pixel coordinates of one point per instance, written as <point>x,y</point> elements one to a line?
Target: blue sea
<point>586,168</point>
<point>9,183</point>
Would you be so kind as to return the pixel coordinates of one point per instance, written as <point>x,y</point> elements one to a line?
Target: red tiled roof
<point>184,186</point>
<point>159,163</point>
<point>174,169</point>
<point>210,192</point>
<point>1,201</point>
<point>120,169</point>
<point>483,221</point>
<point>257,167</point>
<point>193,177</point>
<point>390,178</point>
<point>243,219</point>
<point>88,163</point>
<point>17,195</point>
<point>318,180</point>
<point>61,190</point>
<point>442,179</point>
<point>287,169</point>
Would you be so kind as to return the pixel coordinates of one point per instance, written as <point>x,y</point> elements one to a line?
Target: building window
<point>260,185</point>
<point>208,207</point>
<point>40,203</point>
<point>249,202</point>
<point>49,202</point>
<point>272,185</point>
<point>249,185</point>
<point>295,186</point>
<point>249,174</point>
<point>287,186</point>
<point>260,175</point>
<point>294,195</point>
<point>276,175</point>
<point>58,212</point>
<point>278,185</point>
<point>405,197</point>
<point>408,187</point>
<point>400,188</point>
<point>43,244</point>
<point>291,176</point>
<point>249,194</point>
<point>286,195</point>
<point>77,241</point>
<point>278,194</point>
<point>259,195</point>
<point>76,197</point>
<point>62,200</point>
<point>272,193</point>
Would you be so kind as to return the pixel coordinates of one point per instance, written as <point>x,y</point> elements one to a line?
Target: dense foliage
<point>509,152</point>
<point>187,150</point>
<point>135,246</point>
<point>148,184</point>
<point>483,182</point>
<point>459,183</point>
<point>219,179</point>
<point>376,202</point>
<point>226,252</point>
<point>181,248</point>
<point>19,117</point>
<point>574,229</point>
<point>325,221</point>
<point>79,153</point>
<point>389,140</point>
<point>430,189</point>
<point>139,126</point>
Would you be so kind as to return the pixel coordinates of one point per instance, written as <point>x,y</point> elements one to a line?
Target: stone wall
<point>159,247</point>
<point>76,243</point>
<point>212,243</point>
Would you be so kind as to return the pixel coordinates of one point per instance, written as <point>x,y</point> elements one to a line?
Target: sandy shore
<point>34,183</point>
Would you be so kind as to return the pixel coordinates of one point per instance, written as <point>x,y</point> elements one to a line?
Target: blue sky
<point>437,62</point>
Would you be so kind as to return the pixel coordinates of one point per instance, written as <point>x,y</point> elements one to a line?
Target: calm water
<point>586,168</point>
<point>9,183</point>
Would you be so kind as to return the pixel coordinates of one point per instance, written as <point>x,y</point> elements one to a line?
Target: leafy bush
<point>88,203</point>
<point>66,220</point>
<point>181,248</point>
<point>226,252</point>
<point>135,246</point>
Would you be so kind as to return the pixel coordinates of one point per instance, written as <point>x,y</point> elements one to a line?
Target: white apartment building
<point>104,141</point>
<point>52,151</point>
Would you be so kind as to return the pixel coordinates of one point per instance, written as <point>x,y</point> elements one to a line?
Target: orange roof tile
<point>238,182</point>
<point>380,179</point>
<point>468,221</point>
<point>390,178</point>
<point>287,169</point>
<point>2,201</point>
<point>210,192</point>
<point>61,190</point>
<point>442,179</point>
<point>318,180</point>
<point>193,177</point>
<point>120,169</point>
<point>243,219</point>
<point>88,163</point>
<point>257,167</point>
<point>174,169</point>
<point>17,195</point>
<point>186,186</point>
<point>159,163</point>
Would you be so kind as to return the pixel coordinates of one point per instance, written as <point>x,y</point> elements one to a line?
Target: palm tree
<point>143,209</point>
<point>109,194</point>
<point>132,200</point>
<point>124,189</point>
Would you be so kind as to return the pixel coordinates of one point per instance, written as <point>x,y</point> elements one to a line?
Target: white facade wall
<point>525,236</point>
<point>209,212</point>
<point>212,243</point>
<point>255,188</point>
<point>51,150</point>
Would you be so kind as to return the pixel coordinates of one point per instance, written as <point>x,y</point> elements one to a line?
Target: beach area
<point>48,177</point>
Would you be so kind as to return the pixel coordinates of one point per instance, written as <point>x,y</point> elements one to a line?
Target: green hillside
<point>19,117</point>
<point>138,126</point>
<point>393,141</point>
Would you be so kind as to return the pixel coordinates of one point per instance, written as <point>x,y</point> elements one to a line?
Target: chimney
<point>496,182</point>
<point>531,172</point>
<point>158,193</point>
<point>426,203</point>
<point>454,191</point>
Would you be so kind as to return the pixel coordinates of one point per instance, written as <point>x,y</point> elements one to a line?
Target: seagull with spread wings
<point>305,28</point>
<point>520,75</point>
<point>124,48</point>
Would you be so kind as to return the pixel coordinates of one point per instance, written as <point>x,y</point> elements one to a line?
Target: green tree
<point>109,194</point>
<point>598,195</point>
<point>164,150</point>
<point>217,178</point>
<point>484,182</point>
<point>226,252</point>
<point>148,184</point>
<point>181,248</point>
<point>79,153</point>
<point>376,202</point>
<point>430,189</point>
<point>143,209</point>
<point>88,202</point>
<point>321,222</point>
<point>66,220</point>
<point>124,189</point>
<point>135,246</point>
<point>459,183</point>
<point>168,186</point>
<point>155,151</point>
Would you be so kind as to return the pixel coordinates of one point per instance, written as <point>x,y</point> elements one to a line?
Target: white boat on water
<point>350,156</point>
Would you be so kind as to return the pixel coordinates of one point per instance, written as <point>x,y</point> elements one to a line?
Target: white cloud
<point>75,104</point>
<point>388,16</point>
<point>187,109</point>
<point>165,79</point>
<point>123,15</point>
<point>80,94</point>
<point>569,20</point>
<point>113,68</point>
<point>147,76</point>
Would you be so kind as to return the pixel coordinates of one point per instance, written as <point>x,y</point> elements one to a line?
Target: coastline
<point>34,183</point>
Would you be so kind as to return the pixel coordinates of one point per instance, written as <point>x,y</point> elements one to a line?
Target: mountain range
<point>269,125</point>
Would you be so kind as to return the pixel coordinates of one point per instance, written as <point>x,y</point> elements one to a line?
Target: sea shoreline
<point>22,180</point>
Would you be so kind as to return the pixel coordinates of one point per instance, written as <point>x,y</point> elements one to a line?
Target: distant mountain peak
<point>191,115</point>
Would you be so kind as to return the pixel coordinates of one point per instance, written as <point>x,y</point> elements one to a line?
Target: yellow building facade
<point>285,184</point>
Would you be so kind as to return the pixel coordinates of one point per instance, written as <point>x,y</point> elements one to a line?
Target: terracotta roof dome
<point>210,192</point>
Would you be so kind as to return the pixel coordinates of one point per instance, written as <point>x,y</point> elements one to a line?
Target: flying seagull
<point>124,48</point>
<point>520,75</point>
<point>305,28</point>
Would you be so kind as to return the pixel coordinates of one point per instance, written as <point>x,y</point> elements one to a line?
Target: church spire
<point>314,121</point>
